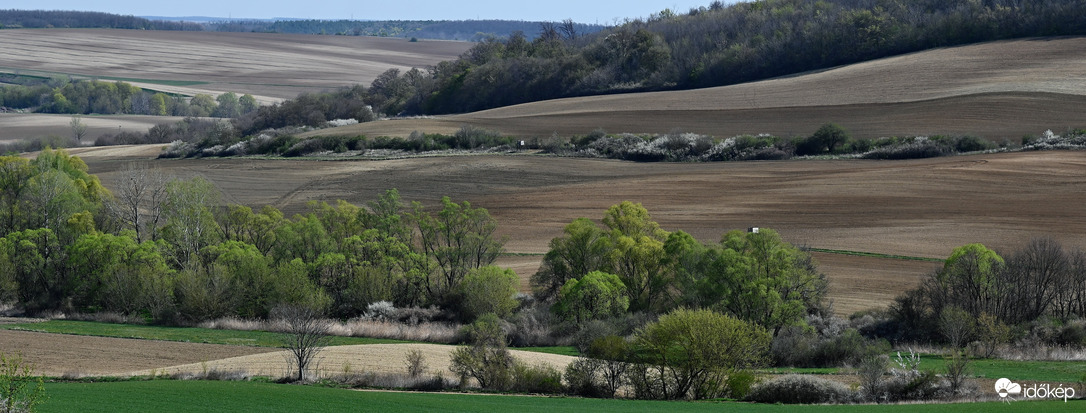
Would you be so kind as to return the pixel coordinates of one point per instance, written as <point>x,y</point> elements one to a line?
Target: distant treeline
<point>37,19</point>
<point>63,95</point>
<point>721,45</point>
<point>471,30</point>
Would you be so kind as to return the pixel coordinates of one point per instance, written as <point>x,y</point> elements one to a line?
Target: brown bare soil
<point>367,358</point>
<point>269,66</point>
<point>59,354</point>
<point>921,208</point>
<point>15,126</point>
<point>999,90</point>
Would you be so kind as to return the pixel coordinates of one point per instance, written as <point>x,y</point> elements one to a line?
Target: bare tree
<point>548,31</point>
<point>304,333</point>
<point>140,195</point>
<point>957,326</point>
<point>79,129</point>
<point>568,29</point>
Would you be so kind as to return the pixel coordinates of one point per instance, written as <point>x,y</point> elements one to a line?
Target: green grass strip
<point>212,336</point>
<point>875,255</point>
<point>1065,372</point>
<point>183,334</point>
<point>204,396</point>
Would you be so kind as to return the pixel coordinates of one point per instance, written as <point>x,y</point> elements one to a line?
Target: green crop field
<point>195,396</point>
<point>184,334</point>
<point>210,336</point>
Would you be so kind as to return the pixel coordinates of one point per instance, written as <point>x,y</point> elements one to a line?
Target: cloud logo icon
<point>1006,387</point>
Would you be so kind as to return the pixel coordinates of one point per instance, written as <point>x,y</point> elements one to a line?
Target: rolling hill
<point>269,66</point>
<point>998,90</point>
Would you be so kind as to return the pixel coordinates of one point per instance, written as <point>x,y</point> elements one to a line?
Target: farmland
<point>915,209</point>
<point>999,90</point>
<point>921,208</point>
<point>268,66</point>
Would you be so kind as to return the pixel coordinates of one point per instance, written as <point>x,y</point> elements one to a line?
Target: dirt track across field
<point>921,208</point>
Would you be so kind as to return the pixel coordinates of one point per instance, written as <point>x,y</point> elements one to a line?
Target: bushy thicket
<point>723,44</point>
<point>829,139</point>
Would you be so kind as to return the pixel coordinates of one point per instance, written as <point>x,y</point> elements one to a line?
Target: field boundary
<point>874,255</point>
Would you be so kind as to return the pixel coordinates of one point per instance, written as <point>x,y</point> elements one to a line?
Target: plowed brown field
<point>271,66</point>
<point>919,208</point>
<point>999,90</point>
<point>59,354</point>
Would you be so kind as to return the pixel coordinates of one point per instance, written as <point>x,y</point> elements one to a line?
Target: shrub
<point>536,379</point>
<point>20,390</point>
<point>582,378</point>
<point>919,148</point>
<point>415,363</point>
<point>801,389</point>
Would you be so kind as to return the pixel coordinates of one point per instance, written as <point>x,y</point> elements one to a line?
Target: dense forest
<point>721,45</point>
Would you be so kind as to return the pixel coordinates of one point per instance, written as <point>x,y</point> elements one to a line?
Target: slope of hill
<point>999,90</point>
<point>272,66</point>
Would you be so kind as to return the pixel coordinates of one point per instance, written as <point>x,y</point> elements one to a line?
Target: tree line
<point>91,96</point>
<point>469,30</point>
<point>37,19</point>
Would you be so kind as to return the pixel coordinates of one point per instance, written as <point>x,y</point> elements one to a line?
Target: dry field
<point>15,126</point>
<point>269,66</point>
<point>919,208</point>
<point>366,358</point>
<point>999,90</point>
<point>59,354</point>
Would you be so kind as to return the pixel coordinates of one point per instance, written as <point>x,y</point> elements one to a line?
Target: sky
<point>582,11</point>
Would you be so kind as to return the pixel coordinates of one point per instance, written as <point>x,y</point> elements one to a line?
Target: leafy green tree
<point>303,237</point>
<point>159,106</point>
<point>780,284</point>
<point>37,262</point>
<point>202,105</point>
<point>583,248</point>
<point>115,272</point>
<point>693,352</point>
<point>247,103</point>
<point>488,290</point>
<point>15,174</point>
<point>970,280</point>
<point>458,239</point>
<point>637,255</point>
<point>596,295</point>
<point>227,105</point>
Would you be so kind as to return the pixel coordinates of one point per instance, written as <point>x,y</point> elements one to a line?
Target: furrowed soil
<point>998,90</point>
<point>266,65</point>
<point>15,126</point>
<point>921,208</point>
<point>61,354</point>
